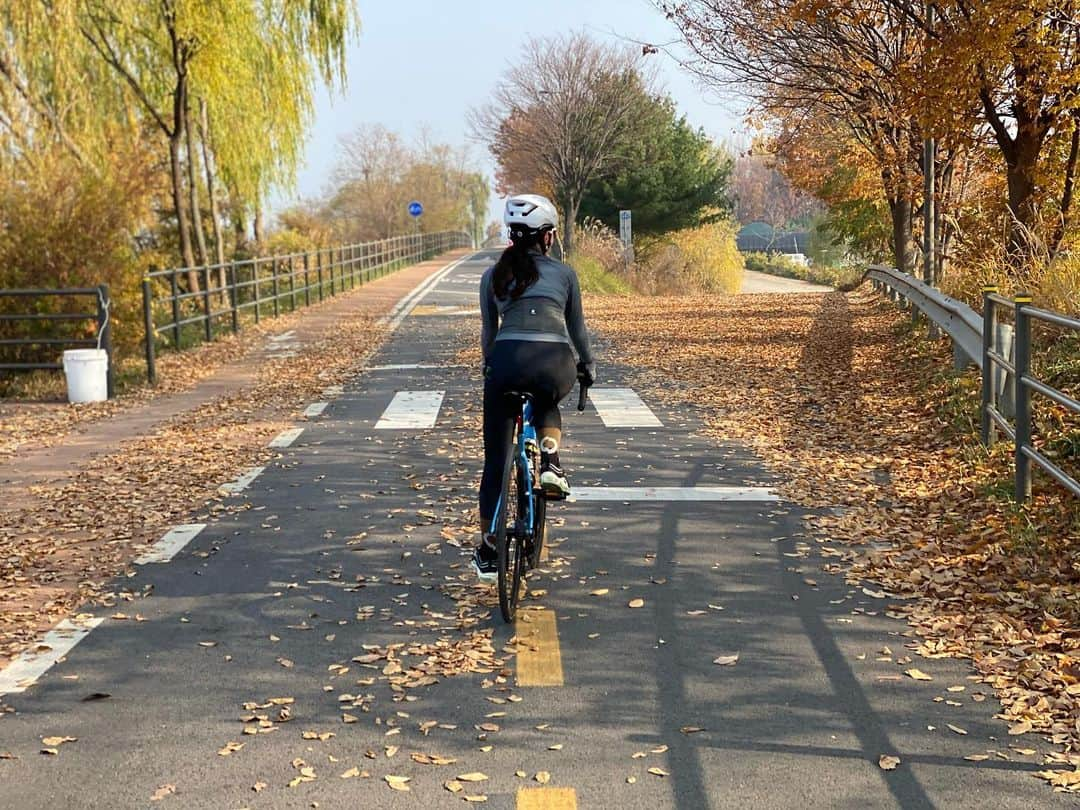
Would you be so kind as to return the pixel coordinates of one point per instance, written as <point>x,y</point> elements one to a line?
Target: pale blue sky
<point>426,63</point>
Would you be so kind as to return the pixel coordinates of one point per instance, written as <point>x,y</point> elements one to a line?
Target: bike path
<point>294,597</point>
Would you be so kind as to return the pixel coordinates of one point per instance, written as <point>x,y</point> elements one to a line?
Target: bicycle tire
<point>507,539</point>
<point>539,528</point>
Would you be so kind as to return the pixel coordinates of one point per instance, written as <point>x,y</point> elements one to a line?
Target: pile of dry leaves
<point>834,395</point>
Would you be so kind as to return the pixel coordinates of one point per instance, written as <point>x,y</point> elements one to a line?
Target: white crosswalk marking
<point>315,409</point>
<point>621,407</point>
<point>411,410</point>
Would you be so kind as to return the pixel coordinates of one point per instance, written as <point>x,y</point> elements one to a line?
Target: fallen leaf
<point>917,674</point>
<point>397,782</point>
<point>636,603</point>
<point>162,792</point>
<point>474,776</point>
<point>887,762</point>
<point>727,660</point>
<point>52,742</point>
<point>658,772</point>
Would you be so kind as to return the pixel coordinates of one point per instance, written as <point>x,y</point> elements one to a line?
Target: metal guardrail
<point>1007,385</point>
<point>1024,385</point>
<point>263,286</point>
<point>962,323</point>
<point>100,318</point>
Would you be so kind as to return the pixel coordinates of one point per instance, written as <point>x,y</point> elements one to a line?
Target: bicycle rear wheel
<point>539,528</point>
<point>508,536</point>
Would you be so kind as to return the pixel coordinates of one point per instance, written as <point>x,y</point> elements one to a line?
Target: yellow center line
<point>546,799</point>
<point>539,659</point>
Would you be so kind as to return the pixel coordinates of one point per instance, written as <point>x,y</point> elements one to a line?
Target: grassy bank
<point>595,279</point>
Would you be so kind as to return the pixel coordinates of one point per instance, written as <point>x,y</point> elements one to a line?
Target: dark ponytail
<point>516,269</point>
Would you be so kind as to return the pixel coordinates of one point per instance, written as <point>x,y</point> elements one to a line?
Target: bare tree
<point>372,162</point>
<point>763,194</point>
<point>559,115</point>
<point>378,174</point>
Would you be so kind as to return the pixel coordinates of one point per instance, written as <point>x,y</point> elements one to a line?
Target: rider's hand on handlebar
<point>586,373</point>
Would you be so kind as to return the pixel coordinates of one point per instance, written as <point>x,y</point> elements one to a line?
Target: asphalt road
<point>332,598</point>
<point>756,283</point>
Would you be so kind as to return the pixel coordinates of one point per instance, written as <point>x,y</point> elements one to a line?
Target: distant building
<point>760,237</point>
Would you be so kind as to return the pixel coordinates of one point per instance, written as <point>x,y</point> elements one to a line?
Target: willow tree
<point>253,63</point>
<point>244,72</point>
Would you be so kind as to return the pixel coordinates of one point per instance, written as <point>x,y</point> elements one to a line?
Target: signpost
<point>626,236</point>
<point>415,210</point>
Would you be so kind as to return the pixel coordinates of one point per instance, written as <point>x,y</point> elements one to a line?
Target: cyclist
<point>531,309</point>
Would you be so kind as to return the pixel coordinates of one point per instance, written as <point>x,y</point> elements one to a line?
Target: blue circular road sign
<point>415,209</point>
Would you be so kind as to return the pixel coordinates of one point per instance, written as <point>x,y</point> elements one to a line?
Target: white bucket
<point>87,372</point>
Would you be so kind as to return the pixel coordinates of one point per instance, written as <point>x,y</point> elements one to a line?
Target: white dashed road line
<point>24,671</point>
<point>401,311</point>
<point>168,546</point>
<point>286,437</point>
<point>243,482</point>
<point>411,410</point>
<point>622,407</point>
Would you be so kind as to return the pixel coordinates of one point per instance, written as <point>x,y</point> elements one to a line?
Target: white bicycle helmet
<point>530,212</point>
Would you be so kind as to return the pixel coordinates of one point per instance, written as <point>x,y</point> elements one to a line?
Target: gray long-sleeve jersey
<point>549,311</point>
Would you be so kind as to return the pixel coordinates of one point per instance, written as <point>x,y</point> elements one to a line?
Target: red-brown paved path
<point>33,466</point>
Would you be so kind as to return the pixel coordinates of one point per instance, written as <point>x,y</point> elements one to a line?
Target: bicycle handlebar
<point>582,395</point>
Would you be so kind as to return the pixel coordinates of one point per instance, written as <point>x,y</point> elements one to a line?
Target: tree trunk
<point>211,192</point>
<point>570,212</point>
<point>1020,176</point>
<point>178,205</point>
<point>239,222</point>
<point>1065,209</point>
<point>193,187</point>
<point>900,208</point>
<point>258,225</point>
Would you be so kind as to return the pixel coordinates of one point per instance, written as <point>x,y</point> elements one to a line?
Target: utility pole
<point>929,191</point>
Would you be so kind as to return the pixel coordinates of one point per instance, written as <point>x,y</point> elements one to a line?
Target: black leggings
<point>545,370</point>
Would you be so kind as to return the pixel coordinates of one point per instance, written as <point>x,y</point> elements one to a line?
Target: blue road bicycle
<point>520,522</point>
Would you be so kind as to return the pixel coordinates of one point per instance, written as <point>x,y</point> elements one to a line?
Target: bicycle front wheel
<point>508,534</point>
